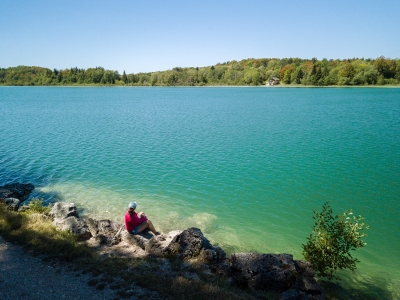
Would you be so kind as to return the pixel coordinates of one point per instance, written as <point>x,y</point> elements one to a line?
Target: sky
<point>151,35</point>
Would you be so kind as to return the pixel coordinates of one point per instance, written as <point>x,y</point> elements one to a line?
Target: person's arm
<point>142,216</point>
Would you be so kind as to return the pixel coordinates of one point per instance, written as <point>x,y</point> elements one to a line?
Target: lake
<point>245,165</point>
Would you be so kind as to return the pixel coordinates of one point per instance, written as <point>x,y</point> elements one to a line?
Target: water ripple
<point>247,166</point>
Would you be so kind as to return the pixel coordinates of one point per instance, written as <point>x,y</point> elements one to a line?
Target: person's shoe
<point>157,233</point>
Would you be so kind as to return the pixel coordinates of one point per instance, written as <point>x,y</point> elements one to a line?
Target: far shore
<point>211,86</point>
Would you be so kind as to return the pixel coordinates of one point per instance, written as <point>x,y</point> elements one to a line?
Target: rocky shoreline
<point>278,273</point>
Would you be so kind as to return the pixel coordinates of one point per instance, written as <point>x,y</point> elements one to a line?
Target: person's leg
<point>151,226</point>
<point>146,224</point>
<point>142,226</point>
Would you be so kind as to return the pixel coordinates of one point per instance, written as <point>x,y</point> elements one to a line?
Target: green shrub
<point>329,245</point>
<point>36,206</point>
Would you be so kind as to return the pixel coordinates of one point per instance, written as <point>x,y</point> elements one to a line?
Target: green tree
<point>296,76</point>
<point>333,237</point>
<point>252,77</point>
<point>386,67</point>
<point>124,78</point>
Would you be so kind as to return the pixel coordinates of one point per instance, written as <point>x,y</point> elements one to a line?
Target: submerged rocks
<point>14,194</point>
<point>16,190</point>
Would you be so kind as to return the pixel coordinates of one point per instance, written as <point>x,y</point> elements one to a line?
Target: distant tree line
<point>290,71</point>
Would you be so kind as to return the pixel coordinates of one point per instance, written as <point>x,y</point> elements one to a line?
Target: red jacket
<point>132,221</point>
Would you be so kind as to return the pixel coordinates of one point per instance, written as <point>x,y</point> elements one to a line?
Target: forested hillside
<point>290,71</point>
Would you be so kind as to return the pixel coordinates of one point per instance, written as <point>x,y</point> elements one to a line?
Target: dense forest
<point>290,71</point>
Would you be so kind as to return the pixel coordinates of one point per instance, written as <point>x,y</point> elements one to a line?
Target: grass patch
<point>36,206</point>
<point>33,230</point>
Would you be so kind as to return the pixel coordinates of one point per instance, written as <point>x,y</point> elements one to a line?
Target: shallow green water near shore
<point>246,165</point>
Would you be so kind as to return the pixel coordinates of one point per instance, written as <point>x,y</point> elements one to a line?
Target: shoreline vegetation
<point>176,265</point>
<point>292,72</point>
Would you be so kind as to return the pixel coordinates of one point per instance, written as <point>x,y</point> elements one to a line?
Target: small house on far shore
<point>273,81</point>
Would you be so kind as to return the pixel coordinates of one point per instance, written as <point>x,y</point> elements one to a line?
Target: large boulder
<point>275,272</point>
<point>162,245</point>
<point>104,231</point>
<point>65,217</point>
<point>189,244</point>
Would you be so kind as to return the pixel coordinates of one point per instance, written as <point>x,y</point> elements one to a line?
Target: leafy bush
<point>329,245</point>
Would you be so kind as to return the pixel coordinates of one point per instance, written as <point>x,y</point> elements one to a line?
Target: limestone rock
<point>189,244</point>
<point>160,246</point>
<point>74,225</point>
<point>139,239</point>
<point>65,217</point>
<point>97,241</point>
<point>107,229</point>
<point>62,210</point>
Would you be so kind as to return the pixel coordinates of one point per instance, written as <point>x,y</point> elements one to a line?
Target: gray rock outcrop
<point>103,231</point>
<point>186,245</point>
<point>65,217</point>
<point>275,272</point>
<point>163,245</point>
<point>139,240</point>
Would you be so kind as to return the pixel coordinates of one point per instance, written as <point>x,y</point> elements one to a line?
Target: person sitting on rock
<point>137,222</point>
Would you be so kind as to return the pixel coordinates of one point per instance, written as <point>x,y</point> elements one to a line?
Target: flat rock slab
<point>138,240</point>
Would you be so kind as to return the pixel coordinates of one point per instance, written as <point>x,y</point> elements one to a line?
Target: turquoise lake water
<point>246,165</point>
